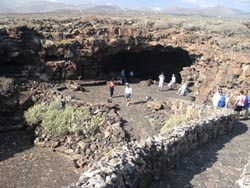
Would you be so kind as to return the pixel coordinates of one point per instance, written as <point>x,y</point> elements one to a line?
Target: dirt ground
<point>135,116</point>
<point>23,165</point>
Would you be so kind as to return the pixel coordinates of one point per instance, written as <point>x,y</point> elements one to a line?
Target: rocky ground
<point>139,120</point>
<point>217,164</point>
<point>23,165</point>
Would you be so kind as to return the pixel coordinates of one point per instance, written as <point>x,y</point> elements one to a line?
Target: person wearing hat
<point>128,93</point>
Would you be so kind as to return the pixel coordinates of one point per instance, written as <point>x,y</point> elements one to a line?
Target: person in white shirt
<point>183,89</point>
<point>172,82</point>
<point>128,93</point>
<point>161,81</point>
<point>217,97</point>
<point>131,73</point>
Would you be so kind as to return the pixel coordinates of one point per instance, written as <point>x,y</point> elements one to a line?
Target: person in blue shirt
<point>247,106</point>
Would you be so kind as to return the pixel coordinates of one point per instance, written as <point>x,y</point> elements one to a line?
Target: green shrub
<point>61,120</point>
<point>174,120</point>
<point>58,121</point>
<point>7,86</point>
<point>34,114</point>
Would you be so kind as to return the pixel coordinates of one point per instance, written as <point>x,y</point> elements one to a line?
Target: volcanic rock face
<point>50,49</point>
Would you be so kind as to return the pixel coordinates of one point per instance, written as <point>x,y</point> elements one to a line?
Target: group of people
<point>241,103</point>
<point>123,75</point>
<point>127,93</point>
<point>162,79</point>
<point>128,90</point>
<point>183,90</point>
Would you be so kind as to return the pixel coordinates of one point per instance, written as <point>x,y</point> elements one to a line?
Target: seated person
<point>183,90</point>
<point>172,82</point>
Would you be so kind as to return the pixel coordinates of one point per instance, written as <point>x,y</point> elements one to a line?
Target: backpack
<point>247,101</point>
<point>222,101</point>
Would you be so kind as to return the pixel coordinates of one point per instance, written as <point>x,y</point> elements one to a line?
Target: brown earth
<point>137,115</point>
<point>23,165</point>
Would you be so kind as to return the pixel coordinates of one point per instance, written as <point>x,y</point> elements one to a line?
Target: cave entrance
<point>148,64</point>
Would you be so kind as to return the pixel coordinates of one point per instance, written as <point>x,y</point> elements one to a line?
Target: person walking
<point>128,94</point>
<point>161,81</point>
<point>240,103</point>
<point>111,86</point>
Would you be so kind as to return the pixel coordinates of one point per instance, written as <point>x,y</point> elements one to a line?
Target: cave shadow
<point>15,135</point>
<point>147,63</point>
<point>197,161</point>
<point>16,141</point>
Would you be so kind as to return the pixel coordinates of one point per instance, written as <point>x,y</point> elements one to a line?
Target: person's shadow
<point>139,102</point>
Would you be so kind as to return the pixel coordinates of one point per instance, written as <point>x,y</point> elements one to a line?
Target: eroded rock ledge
<point>75,48</point>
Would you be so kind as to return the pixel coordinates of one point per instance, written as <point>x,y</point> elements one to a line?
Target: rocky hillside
<point>71,48</point>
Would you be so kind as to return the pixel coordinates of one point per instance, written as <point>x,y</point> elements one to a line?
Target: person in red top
<point>111,85</point>
<point>240,103</point>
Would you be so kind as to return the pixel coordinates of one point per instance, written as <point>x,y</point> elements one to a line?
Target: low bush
<point>7,86</point>
<point>174,120</point>
<point>59,119</point>
<point>34,114</point>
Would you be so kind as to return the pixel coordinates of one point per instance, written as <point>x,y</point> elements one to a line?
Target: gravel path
<point>217,164</point>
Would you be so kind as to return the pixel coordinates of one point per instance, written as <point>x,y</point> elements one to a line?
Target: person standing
<point>161,81</point>
<point>240,103</point>
<point>247,106</point>
<point>128,93</point>
<point>217,97</point>
<point>111,86</point>
<point>131,73</point>
<point>123,76</point>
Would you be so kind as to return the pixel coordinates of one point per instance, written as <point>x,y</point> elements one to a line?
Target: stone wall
<point>244,179</point>
<point>93,139</point>
<point>139,163</point>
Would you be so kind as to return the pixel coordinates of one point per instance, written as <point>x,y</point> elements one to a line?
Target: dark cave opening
<point>148,64</point>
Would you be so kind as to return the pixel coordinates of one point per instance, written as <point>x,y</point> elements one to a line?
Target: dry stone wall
<point>139,163</point>
<point>244,179</point>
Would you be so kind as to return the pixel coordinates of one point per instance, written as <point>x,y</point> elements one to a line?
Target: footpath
<point>217,164</point>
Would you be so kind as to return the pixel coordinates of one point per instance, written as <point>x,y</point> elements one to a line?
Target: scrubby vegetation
<point>174,120</point>
<point>7,86</point>
<point>34,114</point>
<point>59,119</point>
